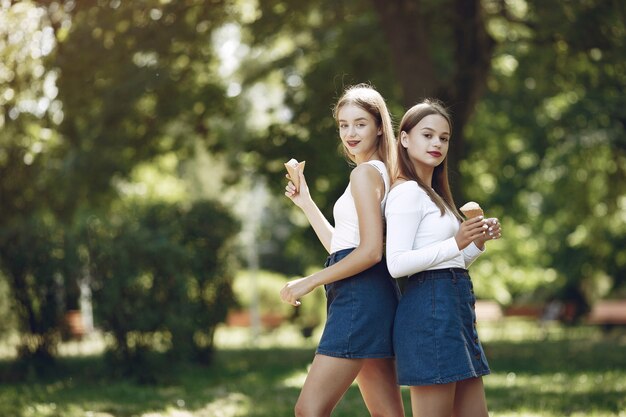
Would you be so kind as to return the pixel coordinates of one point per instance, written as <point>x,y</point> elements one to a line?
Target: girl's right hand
<point>299,197</point>
<point>469,231</point>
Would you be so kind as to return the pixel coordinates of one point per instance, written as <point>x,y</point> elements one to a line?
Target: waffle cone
<point>293,169</point>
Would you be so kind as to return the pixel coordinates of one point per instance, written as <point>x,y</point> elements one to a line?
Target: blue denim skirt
<point>360,313</point>
<point>435,338</point>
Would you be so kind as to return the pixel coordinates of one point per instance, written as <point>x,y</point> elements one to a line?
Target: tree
<point>409,49</point>
<point>33,245</point>
<point>519,77</point>
<point>459,80</point>
<point>150,72</point>
<point>552,128</point>
<point>93,89</point>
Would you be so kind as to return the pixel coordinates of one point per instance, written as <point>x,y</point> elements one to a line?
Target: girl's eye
<point>342,126</point>
<point>445,139</point>
<point>428,135</point>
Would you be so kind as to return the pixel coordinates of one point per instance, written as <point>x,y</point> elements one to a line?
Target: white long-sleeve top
<point>419,238</point>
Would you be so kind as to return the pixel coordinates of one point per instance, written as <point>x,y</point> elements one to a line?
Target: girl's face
<point>358,132</point>
<point>427,143</point>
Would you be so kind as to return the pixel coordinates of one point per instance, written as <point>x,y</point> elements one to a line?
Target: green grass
<point>560,372</point>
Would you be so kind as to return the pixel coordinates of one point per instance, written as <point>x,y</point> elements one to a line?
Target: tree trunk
<point>409,36</point>
<point>472,62</point>
<point>409,41</point>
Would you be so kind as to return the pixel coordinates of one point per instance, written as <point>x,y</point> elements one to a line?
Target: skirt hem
<point>447,380</point>
<point>355,355</point>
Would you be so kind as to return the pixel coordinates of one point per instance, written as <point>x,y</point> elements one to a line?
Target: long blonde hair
<point>367,98</point>
<point>440,192</point>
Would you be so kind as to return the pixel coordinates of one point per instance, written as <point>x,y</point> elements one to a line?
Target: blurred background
<point>144,234</point>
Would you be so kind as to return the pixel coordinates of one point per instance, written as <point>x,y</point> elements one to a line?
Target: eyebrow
<point>356,120</point>
<point>433,130</point>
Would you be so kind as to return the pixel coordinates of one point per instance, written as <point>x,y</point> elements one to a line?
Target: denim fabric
<point>435,336</point>
<point>360,313</point>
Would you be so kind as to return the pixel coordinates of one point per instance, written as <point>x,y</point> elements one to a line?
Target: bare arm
<point>302,198</point>
<point>367,190</point>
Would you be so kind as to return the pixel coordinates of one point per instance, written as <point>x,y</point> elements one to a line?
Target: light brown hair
<point>370,100</point>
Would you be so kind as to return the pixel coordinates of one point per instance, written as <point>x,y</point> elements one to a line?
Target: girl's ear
<point>380,131</point>
<point>404,139</point>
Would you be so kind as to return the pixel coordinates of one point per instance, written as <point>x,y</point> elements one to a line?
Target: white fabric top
<point>346,234</point>
<point>419,238</point>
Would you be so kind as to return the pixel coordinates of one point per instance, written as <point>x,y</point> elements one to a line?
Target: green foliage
<point>34,261</point>
<point>547,153</point>
<point>7,309</point>
<point>162,277</point>
<point>153,87</point>
<point>91,90</point>
<point>543,150</point>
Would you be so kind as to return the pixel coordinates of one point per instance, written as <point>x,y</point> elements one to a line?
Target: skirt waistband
<point>445,273</point>
<point>335,256</point>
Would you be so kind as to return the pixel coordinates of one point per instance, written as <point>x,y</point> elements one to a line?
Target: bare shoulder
<point>366,184</point>
<point>365,173</point>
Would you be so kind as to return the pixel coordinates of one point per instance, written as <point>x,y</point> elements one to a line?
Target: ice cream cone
<point>471,210</point>
<point>293,169</point>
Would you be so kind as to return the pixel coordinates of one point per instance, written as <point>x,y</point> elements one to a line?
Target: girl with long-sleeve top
<point>438,354</point>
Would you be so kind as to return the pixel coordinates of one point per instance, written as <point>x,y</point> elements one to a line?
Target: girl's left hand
<point>494,231</point>
<point>294,290</point>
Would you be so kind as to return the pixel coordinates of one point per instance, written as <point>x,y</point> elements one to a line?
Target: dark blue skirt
<point>360,313</point>
<point>435,338</point>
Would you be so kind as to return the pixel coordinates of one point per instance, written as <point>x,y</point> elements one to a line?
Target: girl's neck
<point>370,157</point>
<point>425,173</point>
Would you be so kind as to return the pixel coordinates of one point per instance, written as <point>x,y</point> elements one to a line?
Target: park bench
<point>242,318</point>
<point>488,310</point>
<point>530,311</point>
<point>608,314</point>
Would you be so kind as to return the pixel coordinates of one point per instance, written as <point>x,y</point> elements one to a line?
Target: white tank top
<point>346,234</point>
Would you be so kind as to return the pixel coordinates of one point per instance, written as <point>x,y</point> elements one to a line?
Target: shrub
<point>163,280</point>
<point>34,261</point>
